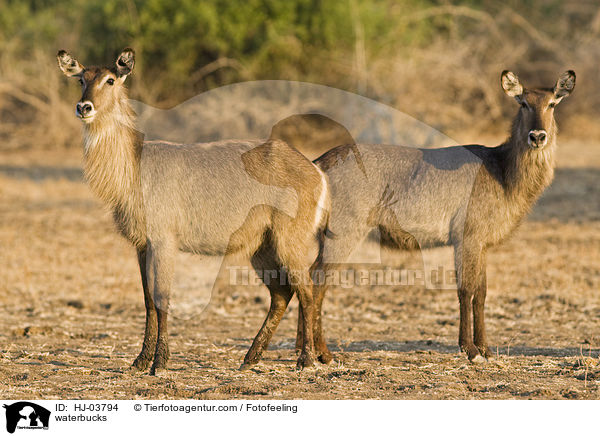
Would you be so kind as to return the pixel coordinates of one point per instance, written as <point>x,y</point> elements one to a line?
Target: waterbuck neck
<point>112,151</point>
<point>527,171</point>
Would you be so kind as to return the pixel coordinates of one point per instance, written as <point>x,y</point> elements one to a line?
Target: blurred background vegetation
<point>438,61</point>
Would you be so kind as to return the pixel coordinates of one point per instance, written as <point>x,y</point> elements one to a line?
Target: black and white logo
<point>26,415</point>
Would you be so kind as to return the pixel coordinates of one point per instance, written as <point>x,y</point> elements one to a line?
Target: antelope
<point>470,197</point>
<point>264,201</point>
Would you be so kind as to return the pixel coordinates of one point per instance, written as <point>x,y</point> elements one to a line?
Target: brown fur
<point>507,182</point>
<point>167,197</point>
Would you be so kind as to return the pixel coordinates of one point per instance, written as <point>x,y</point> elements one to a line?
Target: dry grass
<point>72,310</point>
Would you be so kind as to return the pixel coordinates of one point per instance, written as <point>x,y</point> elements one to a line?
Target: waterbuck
<point>263,200</point>
<point>470,197</point>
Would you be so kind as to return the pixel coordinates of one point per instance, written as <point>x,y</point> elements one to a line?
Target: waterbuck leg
<point>281,294</point>
<point>142,362</point>
<point>479,334</point>
<point>279,302</point>
<point>162,354</point>
<point>466,259</point>
<point>332,258</point>
<point>301,284</point>
<point>159,269</point>
<point>299,331</point>
<point>321,350</point>
<point>323,353</point>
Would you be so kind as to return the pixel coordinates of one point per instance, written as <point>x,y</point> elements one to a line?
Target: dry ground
<point>72,312</point>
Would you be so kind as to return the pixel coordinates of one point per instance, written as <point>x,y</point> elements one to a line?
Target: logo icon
<point>26,415</point>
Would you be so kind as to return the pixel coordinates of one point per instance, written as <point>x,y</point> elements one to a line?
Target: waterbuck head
<point>535,124</point>
<point>102,89</point>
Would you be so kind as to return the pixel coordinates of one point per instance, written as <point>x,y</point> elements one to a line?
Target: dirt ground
<point>72,312</point>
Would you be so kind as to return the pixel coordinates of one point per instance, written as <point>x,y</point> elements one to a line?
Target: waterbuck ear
<point>564,85</point>
<point>68,65</point>
<point>511,85</point>
<point>125,62</point>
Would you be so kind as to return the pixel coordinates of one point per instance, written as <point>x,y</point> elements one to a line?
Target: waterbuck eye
<point>111,81</point>
<point>551,105</point>
<point>81,82</point>
<point>523,104</point>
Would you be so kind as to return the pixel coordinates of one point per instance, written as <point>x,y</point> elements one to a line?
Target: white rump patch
<point>321,203</point>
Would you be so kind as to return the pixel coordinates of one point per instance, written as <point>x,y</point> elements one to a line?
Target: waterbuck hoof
<point>472,352</point>
<point>159,367</point>
<point>486,351</point>
<point>306,360</point>
<point>247,366</point>
<point>325,357</point>
<point>158,371</point>
<point>478,360</point>
<point>140,364</point>
<point>133,369</point>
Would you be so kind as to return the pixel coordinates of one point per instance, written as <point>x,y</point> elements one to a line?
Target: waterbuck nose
<point>537,138</point>
<point>84,108</point>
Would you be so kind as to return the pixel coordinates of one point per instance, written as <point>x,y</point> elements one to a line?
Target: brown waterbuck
<point>470,197</point>
<point>262,200</point>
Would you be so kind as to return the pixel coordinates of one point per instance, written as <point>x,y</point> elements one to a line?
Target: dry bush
<point>34,111</point>
<point>449,81</point>
<point>453,84</point>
